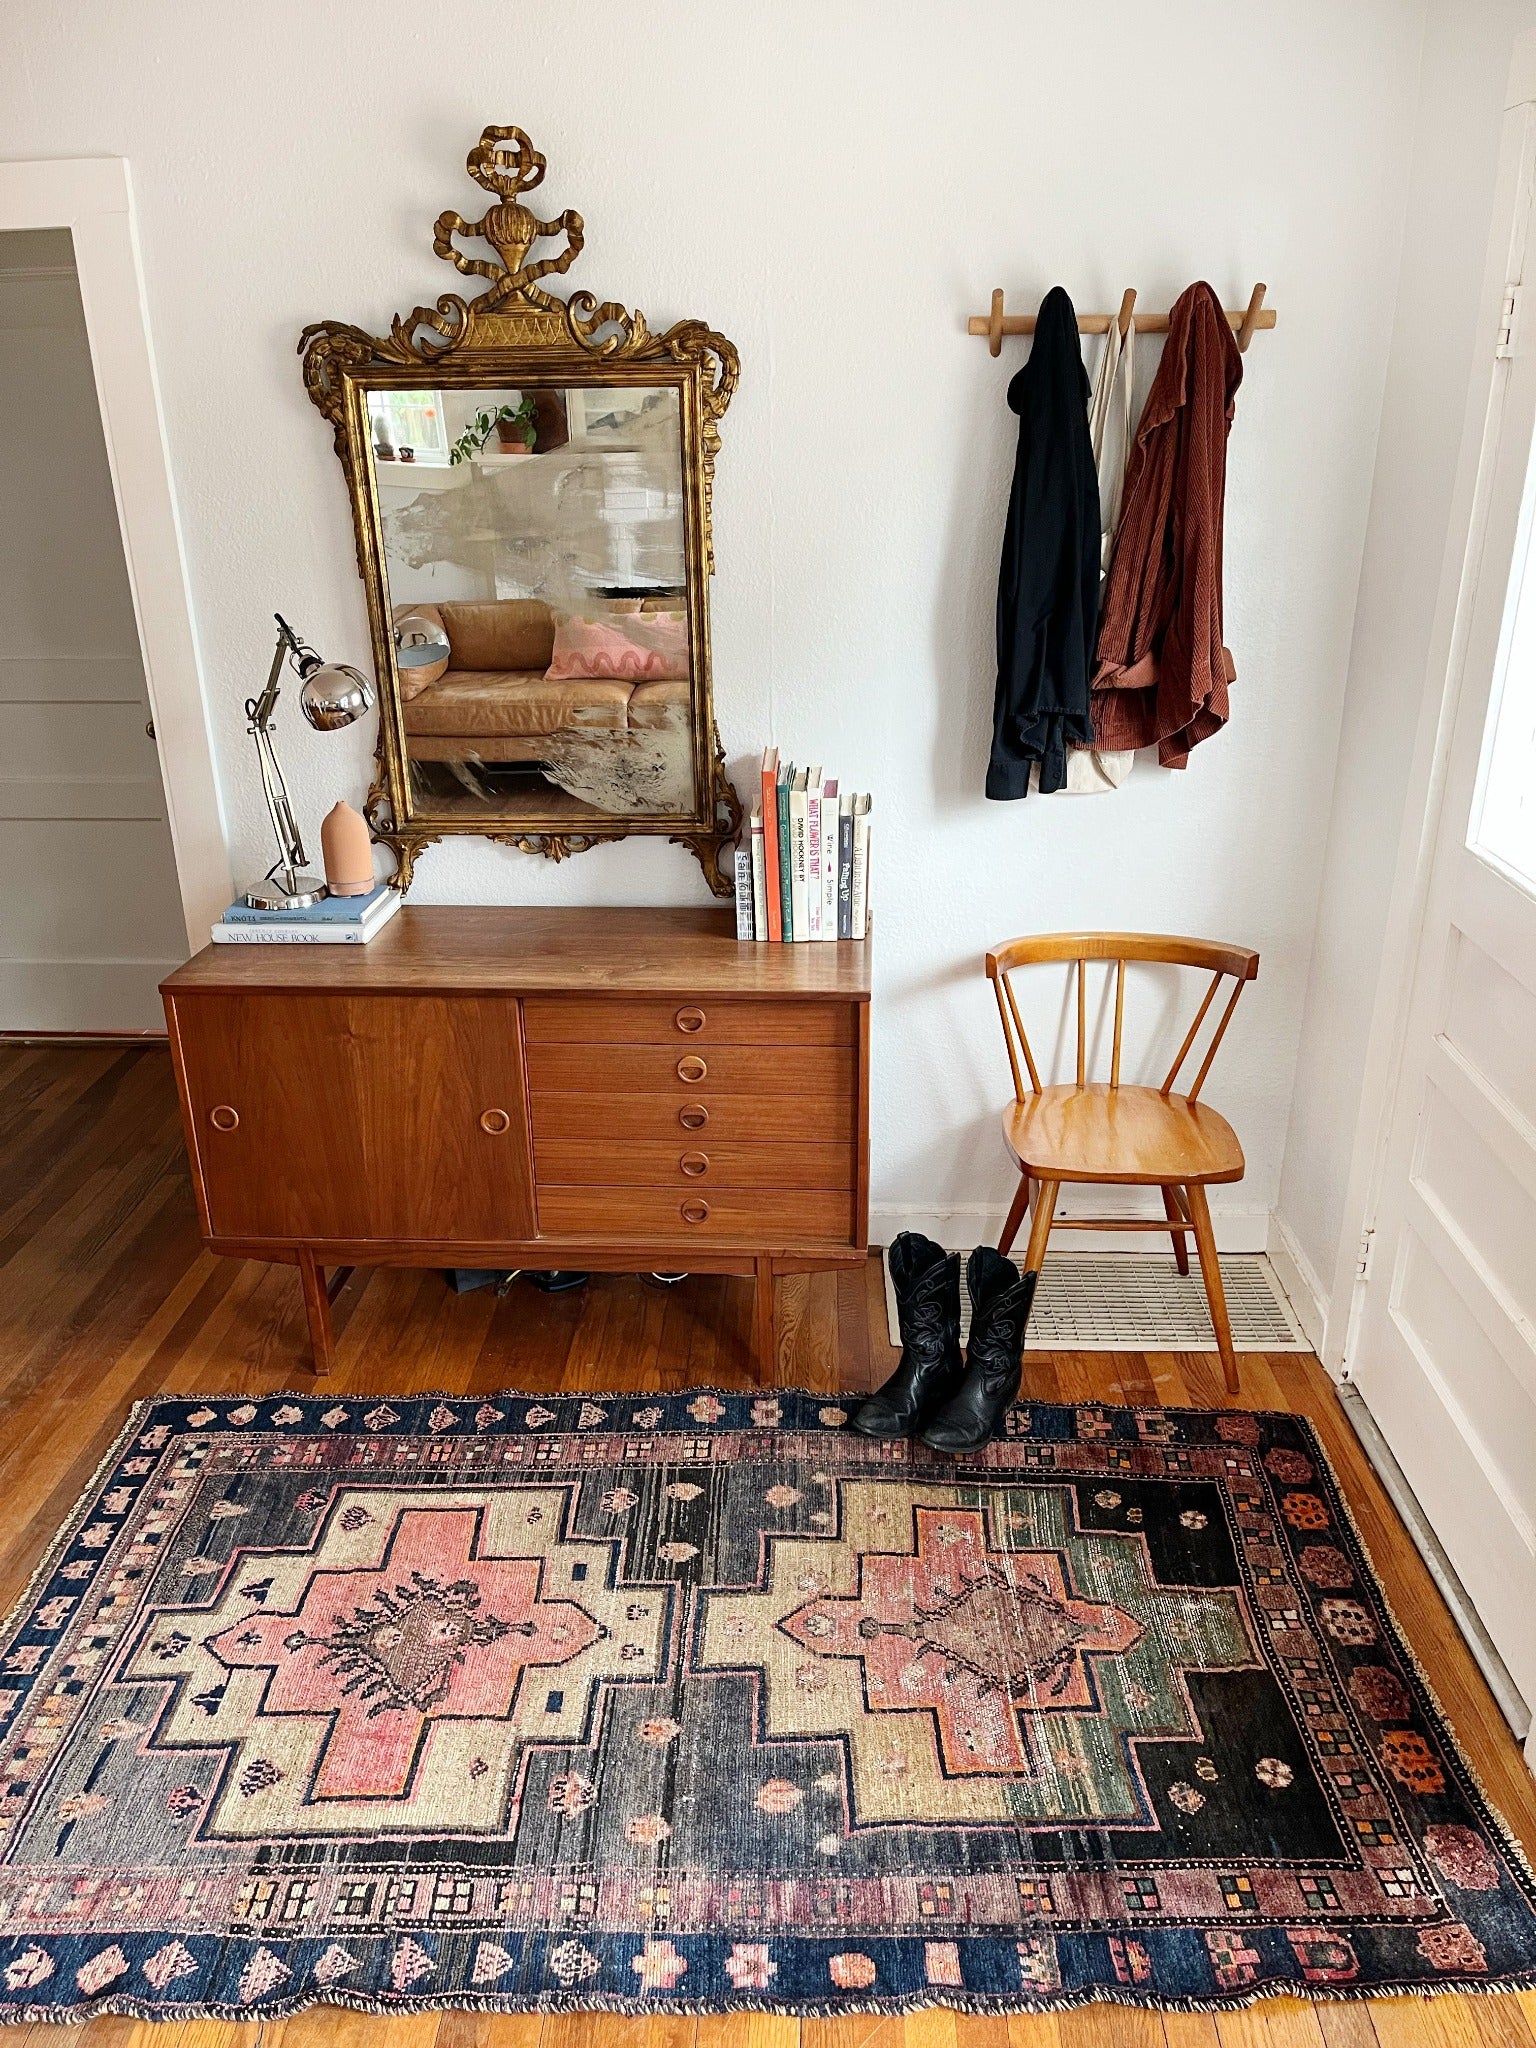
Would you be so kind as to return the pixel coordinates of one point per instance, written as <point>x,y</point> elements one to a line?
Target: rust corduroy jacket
<point>1161,671</point>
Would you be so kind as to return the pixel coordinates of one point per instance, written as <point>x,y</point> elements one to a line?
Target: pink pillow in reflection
<point>651,648</point>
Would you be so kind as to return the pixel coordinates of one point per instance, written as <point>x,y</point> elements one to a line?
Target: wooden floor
<point>106,1296</point>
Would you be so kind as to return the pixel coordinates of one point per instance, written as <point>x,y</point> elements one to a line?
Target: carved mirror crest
<point>530,482</point>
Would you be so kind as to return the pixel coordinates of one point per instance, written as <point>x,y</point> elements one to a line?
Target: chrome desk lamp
<point>331,695</point>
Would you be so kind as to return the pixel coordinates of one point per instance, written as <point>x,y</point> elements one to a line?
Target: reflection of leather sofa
<point>491,700</point>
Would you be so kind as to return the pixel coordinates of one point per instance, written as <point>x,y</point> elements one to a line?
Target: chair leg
<point>1040,1227</point>
<point>1175,1215</point>
<point>1210,1267</point>
<point>1016,1215</point>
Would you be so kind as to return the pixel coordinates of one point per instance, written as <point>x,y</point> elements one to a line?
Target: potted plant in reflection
<point>513,425</point>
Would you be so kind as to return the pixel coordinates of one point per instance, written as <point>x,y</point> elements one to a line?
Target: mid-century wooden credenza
<point>612,1090</point>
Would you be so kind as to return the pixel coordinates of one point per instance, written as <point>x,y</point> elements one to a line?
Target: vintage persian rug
<point>702,1702</point>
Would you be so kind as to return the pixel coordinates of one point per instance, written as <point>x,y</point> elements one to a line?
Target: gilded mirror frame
<point>511,334</point>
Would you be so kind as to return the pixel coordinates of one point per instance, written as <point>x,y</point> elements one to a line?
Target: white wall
<point>1439,329</point>
<point>836,187</point>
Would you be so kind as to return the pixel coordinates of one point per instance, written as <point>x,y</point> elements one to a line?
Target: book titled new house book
<point>333,921</point>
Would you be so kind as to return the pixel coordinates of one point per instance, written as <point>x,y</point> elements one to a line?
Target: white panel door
<point>1445,1350</point>
<point>90,910</point>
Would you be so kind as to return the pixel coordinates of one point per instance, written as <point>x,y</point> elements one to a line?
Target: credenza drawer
<point>694,1116</point>
<point>670,1069</point>
<point>686,1162</point>
<point>587,1020</point>
<point>734,1215</point>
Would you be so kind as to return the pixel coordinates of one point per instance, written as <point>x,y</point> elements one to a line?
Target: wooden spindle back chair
<point>1112,1133</point>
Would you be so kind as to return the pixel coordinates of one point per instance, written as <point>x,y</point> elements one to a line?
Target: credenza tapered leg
<point>317,1311</point>
<point>764,1342</point>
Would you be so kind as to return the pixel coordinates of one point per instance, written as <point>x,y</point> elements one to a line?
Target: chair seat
<point>1130,1135</point>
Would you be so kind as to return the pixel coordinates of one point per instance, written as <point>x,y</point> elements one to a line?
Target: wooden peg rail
<point>994,325</point>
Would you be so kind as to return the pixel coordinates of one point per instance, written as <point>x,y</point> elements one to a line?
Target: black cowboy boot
<point>1000,1302</point>
<point>927,1283</point>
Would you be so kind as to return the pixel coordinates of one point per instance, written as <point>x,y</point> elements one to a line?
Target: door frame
<point>92,197</point>
<point>1424,798</point>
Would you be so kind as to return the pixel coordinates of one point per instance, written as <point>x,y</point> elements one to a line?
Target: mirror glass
<point>534,550</point>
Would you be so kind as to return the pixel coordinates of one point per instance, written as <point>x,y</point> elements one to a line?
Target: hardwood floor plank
<point>849,2030</point>
<point>1346,2024</point>
<point>585,2029</point>
<point>1091,2026</point>
<point>935,2028</point>
<point>1036,2030</point>
<point>1449,2023</point>
<point>1272,2023</point>
<point>323,2026</point>
<point>984,2030</point>
<point>485,2029</point>
<point>1190,2030</point>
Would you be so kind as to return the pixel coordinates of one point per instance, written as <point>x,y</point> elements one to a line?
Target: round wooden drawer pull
<point>690,1020</point>
<point>695,1211</point>
<point>694,1163</point>
<point>224,1118</point>
<point>494,1122</point>
<point>691,1068</point>
<point>693,1116</point>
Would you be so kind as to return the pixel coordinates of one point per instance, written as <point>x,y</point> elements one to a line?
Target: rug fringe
<point>976,2006</point>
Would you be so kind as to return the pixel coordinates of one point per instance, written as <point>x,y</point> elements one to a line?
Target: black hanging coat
<point>1048,586</point>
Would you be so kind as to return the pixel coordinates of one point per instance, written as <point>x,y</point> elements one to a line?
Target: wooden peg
<point>1250,318</point>
<point>1127,312</point>
<point>995,325</point>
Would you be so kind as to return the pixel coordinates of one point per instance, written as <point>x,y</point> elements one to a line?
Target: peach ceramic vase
<point>347,852</point>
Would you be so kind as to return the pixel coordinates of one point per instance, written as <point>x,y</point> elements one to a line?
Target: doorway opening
<point>91,915</point>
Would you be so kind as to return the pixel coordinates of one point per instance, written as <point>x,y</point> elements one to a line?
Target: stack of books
<point>333,921</point>
<point>803,871</point>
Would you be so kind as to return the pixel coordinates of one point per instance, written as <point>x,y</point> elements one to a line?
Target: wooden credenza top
<point>578,951</point>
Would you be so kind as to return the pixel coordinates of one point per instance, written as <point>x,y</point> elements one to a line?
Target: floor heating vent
<point>1120,1301</point>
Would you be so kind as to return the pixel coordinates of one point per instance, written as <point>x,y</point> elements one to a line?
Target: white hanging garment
<point>1092,770</point>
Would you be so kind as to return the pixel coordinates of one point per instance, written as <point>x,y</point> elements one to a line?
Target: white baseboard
<point>82,995</point>
<point>967,1224</point>
<point>1297,1275</point>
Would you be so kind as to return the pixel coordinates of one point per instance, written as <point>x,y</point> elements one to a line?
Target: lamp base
<point>284,891</point>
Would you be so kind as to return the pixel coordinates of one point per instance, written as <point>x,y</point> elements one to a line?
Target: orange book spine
<point>771,842</point>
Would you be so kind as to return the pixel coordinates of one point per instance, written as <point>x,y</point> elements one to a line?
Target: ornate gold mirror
<point>530,482</point>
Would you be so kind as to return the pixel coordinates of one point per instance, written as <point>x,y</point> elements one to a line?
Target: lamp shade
<point>333,694</point>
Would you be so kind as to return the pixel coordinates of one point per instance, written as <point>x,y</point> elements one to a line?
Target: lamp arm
<point>293,856</point>
<point>259,710</point>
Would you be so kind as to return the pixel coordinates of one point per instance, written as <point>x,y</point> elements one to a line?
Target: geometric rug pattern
<point>702,1702</point>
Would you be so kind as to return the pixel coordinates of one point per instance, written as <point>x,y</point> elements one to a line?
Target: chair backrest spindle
<point>1210,1050</point>
<point>1191,1033</point>
<point>1082,1022</point>
<point>1013,1057</point>
<point>1114,1063</point>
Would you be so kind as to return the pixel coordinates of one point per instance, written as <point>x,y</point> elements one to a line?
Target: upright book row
<point>803,872</point>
